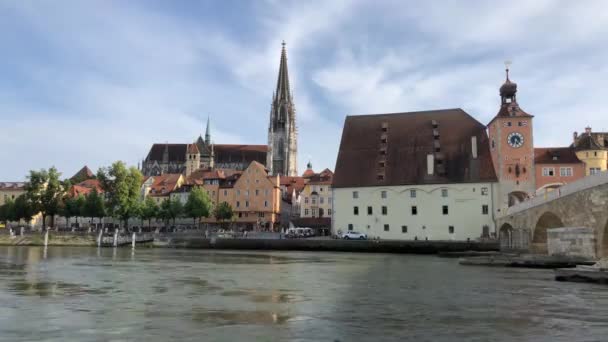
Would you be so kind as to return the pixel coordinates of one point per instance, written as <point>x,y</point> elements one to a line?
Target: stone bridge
<point>583,203</point>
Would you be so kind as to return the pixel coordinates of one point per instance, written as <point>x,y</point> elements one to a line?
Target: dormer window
<point>385,127</point>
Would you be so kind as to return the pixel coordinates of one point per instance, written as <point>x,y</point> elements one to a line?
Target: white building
<point>421,175</point>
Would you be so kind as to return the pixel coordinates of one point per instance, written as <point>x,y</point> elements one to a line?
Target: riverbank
<point>329,245</point>
<point>54,240</point>
<point>526,261</point>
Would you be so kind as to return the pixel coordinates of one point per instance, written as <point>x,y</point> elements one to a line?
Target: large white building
<point>420,175</point>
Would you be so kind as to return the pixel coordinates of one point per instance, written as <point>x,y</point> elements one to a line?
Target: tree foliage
<point>223,212</point>
<point>44,191</point>
<point>171,209</point>
<point>94,205</point>
<point>149,210</point>
<point>122,188</point>
<point>198,204</point>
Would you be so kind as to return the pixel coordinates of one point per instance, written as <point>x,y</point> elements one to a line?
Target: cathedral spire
<point>283,92</point>
<point>208,132</point>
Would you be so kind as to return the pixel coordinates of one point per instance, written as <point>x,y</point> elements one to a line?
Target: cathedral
<point>282,130</point>
<point>279,156</point>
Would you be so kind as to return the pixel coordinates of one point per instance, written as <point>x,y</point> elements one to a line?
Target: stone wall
<point>571,241</point>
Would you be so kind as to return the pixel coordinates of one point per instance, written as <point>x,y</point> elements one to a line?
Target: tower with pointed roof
<point>282,153</point>
<point>512,148</point>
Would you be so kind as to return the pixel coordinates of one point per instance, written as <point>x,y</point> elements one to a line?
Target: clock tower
<point>512,148</point>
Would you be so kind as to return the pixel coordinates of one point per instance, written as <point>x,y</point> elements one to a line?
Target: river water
<point>89,294</point>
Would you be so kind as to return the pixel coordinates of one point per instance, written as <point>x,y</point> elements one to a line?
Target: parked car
<point>354,235</point>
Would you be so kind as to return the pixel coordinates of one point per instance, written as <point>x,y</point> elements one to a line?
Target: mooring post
<point>133,241</point>
<point>115,237</point>
<point>46,238</point>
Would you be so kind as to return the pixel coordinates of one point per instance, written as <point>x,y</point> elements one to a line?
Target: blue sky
<point>91,82</point>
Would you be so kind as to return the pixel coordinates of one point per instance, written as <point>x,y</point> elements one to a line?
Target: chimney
<point>430,164</point>
<point>474,147</point>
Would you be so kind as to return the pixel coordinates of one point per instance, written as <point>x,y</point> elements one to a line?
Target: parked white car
<point>354,235</point>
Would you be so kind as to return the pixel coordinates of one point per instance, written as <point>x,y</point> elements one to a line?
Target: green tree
<point>44,191</point>
<point>171,209</point>
<point>122,189</point>
<point>223,212</point>
<point>94,206</point>
<point>23,209</point>
<point>72,207</point>
<point>149,210</point>
<point>198,205</point>
<point>7,211</point>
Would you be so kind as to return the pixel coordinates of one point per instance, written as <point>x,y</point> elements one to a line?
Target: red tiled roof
<point>162,185</point>
<point>555,155</point>
<point>193,149</point>
<point>373,155</point>
<point>308,173</point>
<point>85,187</point>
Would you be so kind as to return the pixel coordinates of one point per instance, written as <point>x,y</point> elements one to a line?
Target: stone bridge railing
<point>567,189</point>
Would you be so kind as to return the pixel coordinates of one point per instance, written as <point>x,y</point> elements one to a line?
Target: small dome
<point>508,89</point>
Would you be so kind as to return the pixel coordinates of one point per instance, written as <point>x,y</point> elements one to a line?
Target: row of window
<point>387,228</point>
<point>413,193</point>
<point>260,214</point>
<point>238,204</point>
<point>314,200</point>
<point>315,211</point>
<point>257,192</point>
<point>594,170</point>
<point>563,171</point>
<point>414,210</point>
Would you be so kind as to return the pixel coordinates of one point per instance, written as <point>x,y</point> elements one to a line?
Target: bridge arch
<point>505,236</point>
<point>539,238</point>
<point>516,197</point>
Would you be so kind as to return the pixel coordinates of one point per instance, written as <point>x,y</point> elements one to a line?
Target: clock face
<point>515,139</point>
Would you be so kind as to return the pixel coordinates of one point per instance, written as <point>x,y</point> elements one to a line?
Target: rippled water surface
<point>82,294</point>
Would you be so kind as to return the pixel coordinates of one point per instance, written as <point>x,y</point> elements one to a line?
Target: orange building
<point>555,167</point>
<point>255,197</point>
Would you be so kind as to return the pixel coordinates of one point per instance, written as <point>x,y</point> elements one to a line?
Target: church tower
<point>281,158</point>
<point>512,148</point>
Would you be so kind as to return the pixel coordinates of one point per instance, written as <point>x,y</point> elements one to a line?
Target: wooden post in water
<point>46,238</point>
<point>115,237</point>
<point>133,241</point>
<point>99,238</point>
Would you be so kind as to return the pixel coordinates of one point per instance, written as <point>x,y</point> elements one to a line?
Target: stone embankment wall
<point>572,241</point>
<point>418,247</point>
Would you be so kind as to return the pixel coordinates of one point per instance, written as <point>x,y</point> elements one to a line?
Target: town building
<point>512,148</point>
<point>555,167</point>
<point>316,202</point>
<point>160,187</point>
<point>419,175</point>
<point>9,191</point>
<point>201,154</point>
<point>253,195</point>
<point>592,149</point>
<point>291,188</point>
<point>282,130</point>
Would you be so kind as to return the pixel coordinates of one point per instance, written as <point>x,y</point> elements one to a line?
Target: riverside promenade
<point>262,242</point>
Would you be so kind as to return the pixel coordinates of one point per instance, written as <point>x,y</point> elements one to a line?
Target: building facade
<point>201,154</point>
<point>9,191</point>
<point>282,130</point>
<point>592,149</point>
<point>555,167</point>
<point>512,148</point>
<point>420,175</point>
